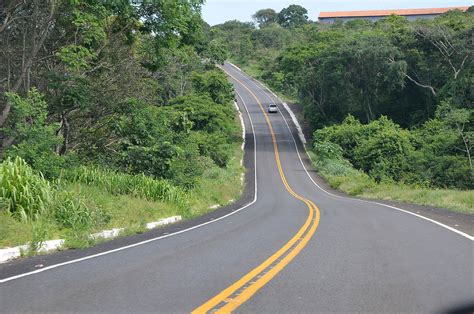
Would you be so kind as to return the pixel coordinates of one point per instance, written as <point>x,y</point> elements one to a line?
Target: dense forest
<point>393,97</point>
<point>123,97</point>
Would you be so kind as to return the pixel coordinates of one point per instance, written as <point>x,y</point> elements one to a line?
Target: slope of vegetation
<point>390,103</point>
<point>113,115</point>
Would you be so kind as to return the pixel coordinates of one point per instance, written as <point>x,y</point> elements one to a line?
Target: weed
<point>39,234</point>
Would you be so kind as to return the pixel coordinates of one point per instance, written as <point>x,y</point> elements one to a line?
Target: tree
<point>265,17</point>
<point>369,71</point>
<point>214,83</point>
<point>236,36</point>
<point>293,16</point>
<point>216,51</point>
<point>172,22</point>
<point>271,37</point>
<point>449,46</point>
<point>444,148</point>
<point>459,120</point>
<point>352,74</point>
<point>24,30</point>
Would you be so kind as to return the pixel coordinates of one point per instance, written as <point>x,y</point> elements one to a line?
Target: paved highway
<point>295,248</point>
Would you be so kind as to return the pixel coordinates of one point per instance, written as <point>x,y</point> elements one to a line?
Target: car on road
<point>272,108</point>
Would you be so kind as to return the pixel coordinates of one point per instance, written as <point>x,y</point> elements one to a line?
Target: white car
<point>272,108</point>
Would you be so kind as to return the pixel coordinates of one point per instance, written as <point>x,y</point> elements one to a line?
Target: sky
<point>219,11</point>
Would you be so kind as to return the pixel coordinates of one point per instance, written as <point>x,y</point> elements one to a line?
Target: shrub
<point>380,148</point>
<point>40,155</point>
<point>327,150</point>
<point>34,139</point>
<point>213,145</point>
<point>206,115</point>
<point>338,171</point>
<point>384,154</point>
<point>329,159</point>
<point>347,135</point>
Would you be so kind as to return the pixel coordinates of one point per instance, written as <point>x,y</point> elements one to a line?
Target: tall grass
<point>25,194</point>
<point>121,183</point>
<point>41,206</point>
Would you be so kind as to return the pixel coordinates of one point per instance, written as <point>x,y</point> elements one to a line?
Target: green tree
<point>36,139</point>
<point>271,37</point>
<point>461,122</point>
<point>216,51</point>
<point>293,16</point>
<point>237,37</point>
<point>215,84</point>
<point>265,17</point>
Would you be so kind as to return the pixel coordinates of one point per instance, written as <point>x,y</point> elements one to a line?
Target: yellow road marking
<point>247,293</point>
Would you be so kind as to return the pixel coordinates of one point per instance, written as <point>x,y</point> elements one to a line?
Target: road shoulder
<point>36,263</point>
<point>458,221</point>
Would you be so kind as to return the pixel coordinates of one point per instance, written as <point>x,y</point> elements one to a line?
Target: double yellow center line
<point>243,289</point>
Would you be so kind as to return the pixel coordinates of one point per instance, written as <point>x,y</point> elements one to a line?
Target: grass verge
<point>122,205</point>
<point>342,176</point>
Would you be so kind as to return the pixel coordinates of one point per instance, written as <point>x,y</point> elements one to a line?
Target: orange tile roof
<point>388,12</point>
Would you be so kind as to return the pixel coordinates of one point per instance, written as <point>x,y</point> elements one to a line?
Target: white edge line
<point>160,237</point>
<point>265,89</point>
<point>10,253</point>
<point>242,124</point>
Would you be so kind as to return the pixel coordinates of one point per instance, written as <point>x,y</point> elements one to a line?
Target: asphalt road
<point>362,257</point>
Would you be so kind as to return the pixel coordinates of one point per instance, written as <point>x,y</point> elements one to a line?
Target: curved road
<point>296,248</point>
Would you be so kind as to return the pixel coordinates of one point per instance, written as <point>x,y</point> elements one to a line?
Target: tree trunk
<point>65,130</point>
<point>26,66</point>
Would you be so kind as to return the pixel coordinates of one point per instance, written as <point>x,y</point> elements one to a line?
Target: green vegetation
<point>390,102</point>
<point>111,117</point>
<point>119,208</point>
<point>328,161</point>
<point>24,193</point>
<point>126,184</point>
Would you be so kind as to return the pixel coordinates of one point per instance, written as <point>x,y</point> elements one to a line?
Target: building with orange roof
<point>374,15</point>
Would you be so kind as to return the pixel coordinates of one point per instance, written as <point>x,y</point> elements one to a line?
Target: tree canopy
<point>265,17</point>
<point>293,16</point>
<point>110,83</point>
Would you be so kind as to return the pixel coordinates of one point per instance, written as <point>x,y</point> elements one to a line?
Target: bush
<point>329,159</point>
<point>338,171</point>
<point>34,139</point>
<point>206,116</point>
<point>384,154</point>
<point>327,150</point>
<point>347,135</point>
<point>380,148</point>
<point>40,156</point>
<point>430,169</point>
<point>213,145</point>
